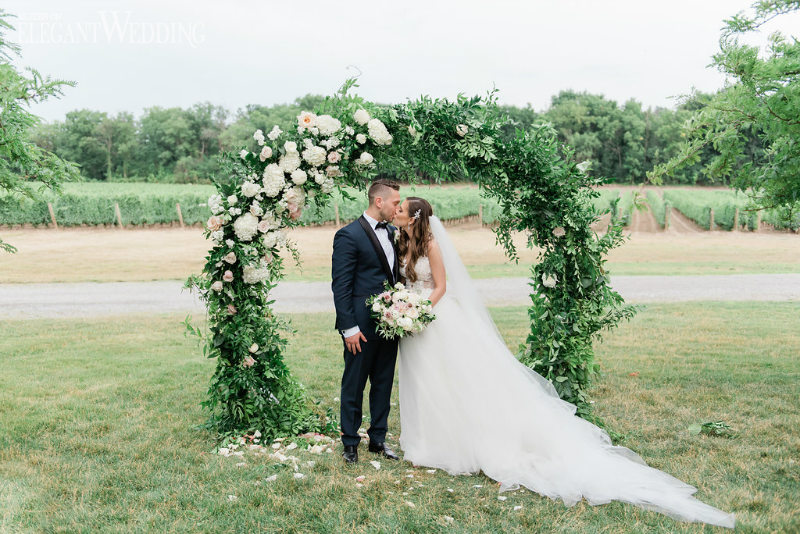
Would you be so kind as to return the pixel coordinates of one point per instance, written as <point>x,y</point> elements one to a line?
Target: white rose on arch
<point>306,120</point>
<point>299,177</point>
<point>265,154</point>
<point>365,159</point>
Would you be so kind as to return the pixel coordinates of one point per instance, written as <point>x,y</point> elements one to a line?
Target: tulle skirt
<point>468,405</point>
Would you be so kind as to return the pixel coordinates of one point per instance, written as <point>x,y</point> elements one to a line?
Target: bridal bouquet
<point>400,312</point>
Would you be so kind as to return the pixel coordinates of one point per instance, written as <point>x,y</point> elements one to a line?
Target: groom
<point>364,257</point>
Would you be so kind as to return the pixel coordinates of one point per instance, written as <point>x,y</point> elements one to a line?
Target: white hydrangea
<point>328,185</point>
<point>274,133</point>
<point>349,130</point>
<point>299,177</point>
<point>259,137</point>
<point>308,142</point>
<point>328,125</point>
<point>330,143</point>
<point>361,139</point>
<point>215,204</point>
<point>265,154</point>
<point>274,180</point>
<point>274,239</point>
<point>217,236</point>
<point>378,132</point>
<point>314,156</point>
<point>246,226</point>
<point>289,161</point>
<point>361,117</point>
<point>255,274</point>
<point>250,189</point>
<point>365,159</point>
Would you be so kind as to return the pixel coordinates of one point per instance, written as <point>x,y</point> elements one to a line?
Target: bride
<point>468,405</point>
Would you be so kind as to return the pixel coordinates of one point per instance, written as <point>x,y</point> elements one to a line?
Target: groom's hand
<point>353,343</point>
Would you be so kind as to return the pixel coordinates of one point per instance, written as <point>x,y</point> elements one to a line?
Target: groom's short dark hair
<point>379,188</point>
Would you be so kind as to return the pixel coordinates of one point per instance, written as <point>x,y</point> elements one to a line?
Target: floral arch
<point>540,189</point>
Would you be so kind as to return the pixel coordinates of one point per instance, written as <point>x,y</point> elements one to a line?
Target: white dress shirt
<point>388,250</point>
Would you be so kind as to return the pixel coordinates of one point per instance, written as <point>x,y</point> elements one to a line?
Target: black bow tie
<point>383,225</point>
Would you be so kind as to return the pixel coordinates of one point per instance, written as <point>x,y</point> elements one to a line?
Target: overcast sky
<point>126,55</point>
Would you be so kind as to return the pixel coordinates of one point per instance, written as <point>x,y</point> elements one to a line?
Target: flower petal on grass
<point>298,476</point>
<point>410,504</point>
<point>232,498</point>
<point>516,508</point>
<point>502,498</point>
<point>375,464</point>
<point>271,478</point>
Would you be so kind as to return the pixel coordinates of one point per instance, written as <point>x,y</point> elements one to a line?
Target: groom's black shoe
<point>350,454</point>
<point>383,449</point>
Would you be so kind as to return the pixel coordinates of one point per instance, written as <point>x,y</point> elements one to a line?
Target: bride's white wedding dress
<point>468,405</point>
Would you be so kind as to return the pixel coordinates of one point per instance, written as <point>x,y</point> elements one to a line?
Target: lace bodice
<point>424,283</point>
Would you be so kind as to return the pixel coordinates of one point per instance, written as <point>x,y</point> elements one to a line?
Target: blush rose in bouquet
<point>400,312</point>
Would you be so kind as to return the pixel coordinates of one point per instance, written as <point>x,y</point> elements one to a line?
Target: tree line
<point>623,142</point>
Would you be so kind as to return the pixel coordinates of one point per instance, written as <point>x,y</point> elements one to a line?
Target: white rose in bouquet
<point>274,133</point>
<point>249,189</point>
<point>246,226</point>
<point>412,313</point>
<point>314,156</point>
<point>378,132</point>
<point>265,154</point>
<point>299,177</point>
<point>328,125</point>
<point>376,306</point>
<point>361,117</point>
<point>405,323</point>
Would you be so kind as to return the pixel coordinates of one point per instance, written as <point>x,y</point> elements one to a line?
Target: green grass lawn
<point>96,433</point>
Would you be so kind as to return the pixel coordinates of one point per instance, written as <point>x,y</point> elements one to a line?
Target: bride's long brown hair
<point>414,243</point>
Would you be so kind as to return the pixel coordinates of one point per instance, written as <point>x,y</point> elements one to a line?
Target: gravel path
<point>33,301</point>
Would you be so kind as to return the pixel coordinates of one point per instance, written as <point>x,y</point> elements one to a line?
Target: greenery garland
<point>348,141</point>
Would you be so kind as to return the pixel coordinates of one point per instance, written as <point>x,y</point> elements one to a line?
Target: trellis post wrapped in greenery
<point>541,192</point>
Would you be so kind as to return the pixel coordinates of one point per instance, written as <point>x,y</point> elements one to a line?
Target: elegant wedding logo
<point>111,27</point>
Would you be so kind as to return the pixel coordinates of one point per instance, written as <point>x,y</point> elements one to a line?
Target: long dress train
<point>468,405</point>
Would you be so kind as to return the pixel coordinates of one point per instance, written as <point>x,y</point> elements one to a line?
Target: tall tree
<point>22,162</point>
<point>754,122</point>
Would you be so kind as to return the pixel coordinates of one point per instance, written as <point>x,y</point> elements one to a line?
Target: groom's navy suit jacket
<point>359,270</point>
